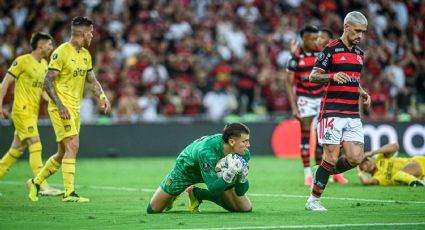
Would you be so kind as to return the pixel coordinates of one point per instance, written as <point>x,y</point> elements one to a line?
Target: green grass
<point>120,188</point>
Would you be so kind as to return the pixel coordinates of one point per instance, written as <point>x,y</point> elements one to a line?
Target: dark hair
<point>81,21</point>
<point>309,29</point>
<point>35,37</point>
<point>234,130</point>
<point>327,31</point>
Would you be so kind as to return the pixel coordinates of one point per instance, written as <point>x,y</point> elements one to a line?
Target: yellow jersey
<point>29,74</point>
<point>386,168</point>
<point>73,67</point>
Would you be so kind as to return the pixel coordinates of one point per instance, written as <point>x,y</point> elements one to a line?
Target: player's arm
<point>365,180</point>
<point>51,91</point>
<point>364,96</point>
<point>317,77</point>
<point>97,91</point>
<point>4,86</point>
<point>387,150</point>
<point>290,78</point>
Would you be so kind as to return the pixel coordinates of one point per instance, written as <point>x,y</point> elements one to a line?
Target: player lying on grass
<point>390,170</point>
<point>196,164</point>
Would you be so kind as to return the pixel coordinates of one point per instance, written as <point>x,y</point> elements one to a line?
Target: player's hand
<point>341,78</point>
<point>368,154</point>
<point>106,105</point>
<point>296,114</point>
<point>229,175</point>
<point>64,113</point>
<point>243,175</point>
<point>365,97</point>
<point>3,113</point>
<point>293,46</point>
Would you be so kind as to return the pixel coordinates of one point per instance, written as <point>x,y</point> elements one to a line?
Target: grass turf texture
<point>120,188</point>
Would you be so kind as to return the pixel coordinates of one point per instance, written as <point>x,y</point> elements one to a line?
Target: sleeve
<point>292,64</point>
<point>16,68</point>
<point>207,162</point>
<point>324,60</point>
<point>241,188</point>
<point>56,61</point>
<point>90,63</point>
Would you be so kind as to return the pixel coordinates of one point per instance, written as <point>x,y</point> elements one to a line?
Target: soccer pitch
<point>120,188</point>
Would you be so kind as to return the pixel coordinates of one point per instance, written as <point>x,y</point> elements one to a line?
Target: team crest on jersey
<point>206,166</point>
<point>55,56</point>
<point>30,129</point>
<point>15,63</point>
<point>67,128</point>
<point>359,58</point>
<point>168,182</point>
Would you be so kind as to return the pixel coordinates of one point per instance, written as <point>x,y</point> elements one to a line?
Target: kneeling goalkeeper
<point>196,164</point>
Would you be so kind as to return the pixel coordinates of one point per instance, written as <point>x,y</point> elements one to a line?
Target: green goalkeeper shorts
<point>175,183</point>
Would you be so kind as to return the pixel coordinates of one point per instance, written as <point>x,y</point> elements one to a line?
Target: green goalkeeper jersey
<point>197,161</point>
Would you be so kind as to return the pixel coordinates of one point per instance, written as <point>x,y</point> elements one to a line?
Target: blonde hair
<point>355,17</point>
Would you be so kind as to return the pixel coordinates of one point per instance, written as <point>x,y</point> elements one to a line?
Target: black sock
<point>321,178</point>
<point>342,165</point>
<point>305,147</point>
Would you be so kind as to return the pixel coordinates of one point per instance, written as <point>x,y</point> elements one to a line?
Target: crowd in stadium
<point>202,58</point>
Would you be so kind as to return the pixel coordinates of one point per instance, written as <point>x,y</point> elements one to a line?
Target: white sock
<point>307,171</point>
<point>312,198</point>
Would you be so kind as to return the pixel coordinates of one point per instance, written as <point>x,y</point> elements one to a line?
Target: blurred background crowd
<point>208,59</point>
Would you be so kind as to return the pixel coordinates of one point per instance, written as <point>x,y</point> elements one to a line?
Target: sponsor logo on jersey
<point>339,50</point>
<point>206,166</point>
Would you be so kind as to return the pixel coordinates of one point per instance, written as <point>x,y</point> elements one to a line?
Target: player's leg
<point>353,145</point>
<point>410,174</point>
<point>160,201</point>
<point>305,148</point>
<point>329,134</point>
<point>235,203</point>
<point>52,165</point>
<point>14,153</point>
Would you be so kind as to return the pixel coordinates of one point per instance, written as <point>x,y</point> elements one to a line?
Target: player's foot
<point>193,202</point>
<point>50,191</point>
<point>308,180</point>
<point>339,178</point>
<point>73,197</point>
<point>416,183</point>
<point>33,190</point>
<point>314,205</point>
<point>169,206</point>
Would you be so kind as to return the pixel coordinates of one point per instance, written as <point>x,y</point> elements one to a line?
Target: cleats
<point>193,202</point>
<point>416,183</point>
<point>339,178</point>
<point>73,197</point>
<point>33,190</point>
<point>314,205</point>
<point>50,191</point>
<point>308,180</point>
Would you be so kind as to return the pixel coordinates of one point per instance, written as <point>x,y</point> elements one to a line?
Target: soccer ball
<point>231,161</point>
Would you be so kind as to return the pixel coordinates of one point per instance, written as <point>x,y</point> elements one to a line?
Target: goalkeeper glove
<point>243,175</point>
<point>229,175</point>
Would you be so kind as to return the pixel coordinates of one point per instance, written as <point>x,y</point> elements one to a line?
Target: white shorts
<point>334,130</point>
<point>308,107</point>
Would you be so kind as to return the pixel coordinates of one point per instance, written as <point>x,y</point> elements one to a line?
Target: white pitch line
<point>127,189</point>
<point>315,226</point>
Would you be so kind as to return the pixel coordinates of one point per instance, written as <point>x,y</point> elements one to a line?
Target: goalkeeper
<point>196,164</point>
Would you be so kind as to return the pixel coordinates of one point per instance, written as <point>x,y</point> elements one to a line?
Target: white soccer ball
<point>231,161</point>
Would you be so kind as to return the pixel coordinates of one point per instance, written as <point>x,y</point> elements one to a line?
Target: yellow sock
<point>35,160</point>
<point>403,177</point>
<point>49,169</point>
<point>68,172</point>
<point>8,160</point>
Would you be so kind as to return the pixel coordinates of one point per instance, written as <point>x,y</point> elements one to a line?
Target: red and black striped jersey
<point>301,63</point>
<point>341,100</point>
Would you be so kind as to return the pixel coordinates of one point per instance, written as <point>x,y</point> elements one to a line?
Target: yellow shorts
<point>25,125</point>
<point>421,161</point>
<point>65,128</point>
